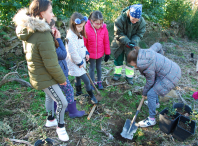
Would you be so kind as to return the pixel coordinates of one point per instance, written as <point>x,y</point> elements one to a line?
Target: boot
<point>78,90</point>
<point>73,112</point>
<point>55,107</point>
<point>116,77</point>
<point>93,99</point>
<point>129,80</point>
<point>100,87</point>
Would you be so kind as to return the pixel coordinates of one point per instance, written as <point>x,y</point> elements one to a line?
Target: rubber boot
<point>93,99</point>
<point>116,77</point>
<point>73,112</point>
<point>129,80</point>
<point>55,106</point>
<point>78,90</point>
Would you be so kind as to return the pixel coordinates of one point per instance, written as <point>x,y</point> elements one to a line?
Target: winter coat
<point>40,51</point>
<point>125,32</point>
<point>61,53</point>
<point>97,41</point>
<point>76,52</point>
<point>161,73</point>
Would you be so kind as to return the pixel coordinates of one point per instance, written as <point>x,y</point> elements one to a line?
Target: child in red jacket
<point>97,44</point>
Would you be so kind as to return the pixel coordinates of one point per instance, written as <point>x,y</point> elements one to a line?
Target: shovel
<point>98,96</point>
<point>130,127</point>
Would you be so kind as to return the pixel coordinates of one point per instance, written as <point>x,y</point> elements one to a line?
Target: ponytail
<point>132,56</point>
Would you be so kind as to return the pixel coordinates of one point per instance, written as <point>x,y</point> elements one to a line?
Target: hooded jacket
<point>97,41</point>
<point>161,73</point>
<point>125,32</point>
<point>39,49</point>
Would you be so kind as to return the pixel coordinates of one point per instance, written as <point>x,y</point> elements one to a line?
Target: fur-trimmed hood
<point>27,25</point>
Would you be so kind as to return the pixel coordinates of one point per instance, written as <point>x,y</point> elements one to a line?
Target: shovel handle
<point>92,82</point>
<point>91,112</point>
<point>141,102</point>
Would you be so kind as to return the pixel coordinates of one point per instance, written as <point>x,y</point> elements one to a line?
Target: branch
<point>21,141</point>
<point>21,81</point>
<point>11,74</point>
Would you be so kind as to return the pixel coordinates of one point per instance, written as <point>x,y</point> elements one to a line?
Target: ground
<point>23,116</point>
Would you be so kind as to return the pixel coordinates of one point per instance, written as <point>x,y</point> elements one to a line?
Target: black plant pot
<point>41,142</point>
<point>180,133</point>
<point>181,105</point>
<point>167,125</point>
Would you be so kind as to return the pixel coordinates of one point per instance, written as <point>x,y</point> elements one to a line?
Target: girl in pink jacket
<point>97,44</point>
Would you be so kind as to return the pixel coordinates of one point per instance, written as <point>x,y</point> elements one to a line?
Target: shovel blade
<point>129,130</point>
<point>98,97</point>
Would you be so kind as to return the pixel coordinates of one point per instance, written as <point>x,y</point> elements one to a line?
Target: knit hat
<point>136,11</point>
<point>195,95</point>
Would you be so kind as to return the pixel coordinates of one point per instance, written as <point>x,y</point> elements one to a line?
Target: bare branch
<point>21,141</point>
<point>21,81</point>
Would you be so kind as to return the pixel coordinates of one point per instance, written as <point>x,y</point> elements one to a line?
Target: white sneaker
<point>146,103</point>
<point>51,123</point>
<point>62,134</point>
<point>147,122</point>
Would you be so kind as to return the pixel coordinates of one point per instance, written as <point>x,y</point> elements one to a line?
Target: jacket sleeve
<point>61,51</point>
<point>157,47</point>
<point>107,43</point>
<point>140,32</point>
<point>49,57</point>
<point>85,41</point>
<point>150,80</point>
<point>72,50</point>
<point>119,31</point>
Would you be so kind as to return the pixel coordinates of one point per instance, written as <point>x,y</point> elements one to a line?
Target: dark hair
<point>38,6</point>
<point>55,41</point>
<point>72,24</point>
<point>96,15</point>
<point>132,56</point>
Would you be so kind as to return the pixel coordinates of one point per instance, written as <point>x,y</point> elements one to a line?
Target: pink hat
<point>195,95</point>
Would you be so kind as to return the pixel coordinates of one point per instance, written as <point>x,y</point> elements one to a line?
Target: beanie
<point>136,11</point>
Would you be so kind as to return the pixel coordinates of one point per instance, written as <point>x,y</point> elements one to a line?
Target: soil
<point>185,126</point>
<point>182,112</point>
<point>171,117</point>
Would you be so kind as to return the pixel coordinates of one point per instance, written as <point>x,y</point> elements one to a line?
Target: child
<point>68,89</point>
<point>97,43</point>
<point>77,53</point>
<point>44,71</point>
<point>129,29</point>
<point>161,74</point>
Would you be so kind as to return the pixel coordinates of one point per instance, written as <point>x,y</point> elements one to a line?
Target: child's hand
<point>87,57</point>
<point>57,34</point>
<point>65,83</point>
<point>81,66</point>
<point>145,97</point>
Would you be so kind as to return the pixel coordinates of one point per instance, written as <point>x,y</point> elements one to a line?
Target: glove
<point>130,45</point>
<point>106,58</point>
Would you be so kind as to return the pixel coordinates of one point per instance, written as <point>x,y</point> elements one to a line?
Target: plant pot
<point>167,125</point>
<point>48,141</point>
<point>187,109</point>
<point>180,133</point>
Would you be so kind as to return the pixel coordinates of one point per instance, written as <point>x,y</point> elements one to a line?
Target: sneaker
<point>62,134</point>
<point>147,122</point>
<point>51,123</point>
<point>157,105</point>
<point>100,87</point>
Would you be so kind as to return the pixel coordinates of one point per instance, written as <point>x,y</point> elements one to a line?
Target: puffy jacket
<point>161,73</point>
<point>40,51</point>
<point>125,32</point>
<point>62,54</point>
<point>97,41</point>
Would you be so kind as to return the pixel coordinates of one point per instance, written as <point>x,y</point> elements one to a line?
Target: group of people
<point>50,62</point>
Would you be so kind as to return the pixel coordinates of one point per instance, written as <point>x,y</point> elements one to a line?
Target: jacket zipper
<point>96,39</point>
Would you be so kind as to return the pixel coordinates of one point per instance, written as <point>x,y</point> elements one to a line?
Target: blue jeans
<point>152,100</point>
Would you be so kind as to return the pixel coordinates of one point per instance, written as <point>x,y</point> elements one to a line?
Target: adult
<point>129,28</point>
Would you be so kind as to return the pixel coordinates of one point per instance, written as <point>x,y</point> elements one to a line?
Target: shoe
<point>78,90</point>
<point>50,123</point>
<point>55,107</point>
<point>116,77</point>
<point>62,134</point>
<point>147,122</point>
<point>73,112</point>
<point>100,87</point>
<point>157,105</point>
<point>129,80</point>
<point>93,99</point>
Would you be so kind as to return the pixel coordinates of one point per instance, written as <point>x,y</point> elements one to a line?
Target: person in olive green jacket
<point>129,28</point>
<point>44,70</point>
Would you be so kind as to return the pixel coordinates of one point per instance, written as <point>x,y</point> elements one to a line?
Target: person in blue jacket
<point>67,89</point>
